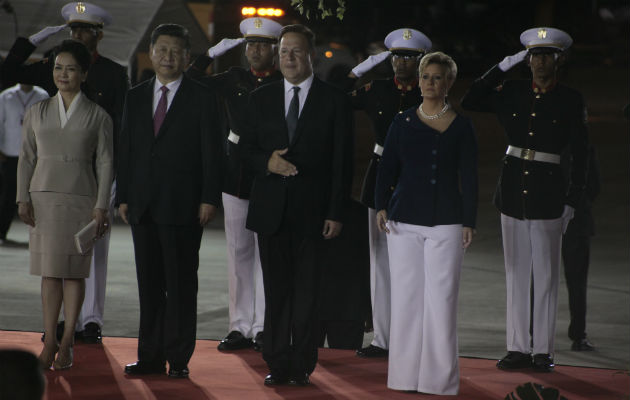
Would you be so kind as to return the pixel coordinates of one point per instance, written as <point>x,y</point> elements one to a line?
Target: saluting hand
<point>38,38</point>
<point>381,221</point>
<point>279,165</point>
<point>223,46</point>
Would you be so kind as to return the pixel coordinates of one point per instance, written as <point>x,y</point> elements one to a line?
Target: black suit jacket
<point>172,173</point>
<point>321,150</point>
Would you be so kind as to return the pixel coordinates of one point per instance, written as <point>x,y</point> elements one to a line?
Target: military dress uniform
<point>106,84</point>
<point>382,100</point>
<point>246,294</point>
<point>531,196</point>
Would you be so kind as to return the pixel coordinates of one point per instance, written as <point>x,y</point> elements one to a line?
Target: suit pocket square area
<point>85,238</point>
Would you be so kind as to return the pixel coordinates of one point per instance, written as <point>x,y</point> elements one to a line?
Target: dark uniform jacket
<point>321,150</point>
<point>106,83</point>
<point>171,173</point>
<point>550,122</point>
<point>233,87</point>
<point>382,100</point>
<point>433,175</point>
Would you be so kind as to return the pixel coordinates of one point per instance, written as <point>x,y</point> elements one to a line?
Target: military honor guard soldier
<point>246,294</point>
<point>106,85</point>
<point>542,118</point>
<point>382,100</point>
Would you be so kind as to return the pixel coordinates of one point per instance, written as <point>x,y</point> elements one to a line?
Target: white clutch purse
<point>85,238</point>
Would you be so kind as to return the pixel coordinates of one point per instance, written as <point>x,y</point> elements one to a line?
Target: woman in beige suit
<point>65,171</point>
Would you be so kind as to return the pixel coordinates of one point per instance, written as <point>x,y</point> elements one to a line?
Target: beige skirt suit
<point>65,170</point>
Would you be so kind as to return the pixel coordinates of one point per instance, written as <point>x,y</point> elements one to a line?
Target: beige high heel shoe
<point>64,359</point>
<point>47,357</point>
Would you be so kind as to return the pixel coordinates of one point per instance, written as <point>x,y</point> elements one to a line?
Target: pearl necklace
<point>436,116</point>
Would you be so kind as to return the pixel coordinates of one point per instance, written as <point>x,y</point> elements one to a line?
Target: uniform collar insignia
<point>537,89</point>
<point>405,88</point>
<point>262,74</point>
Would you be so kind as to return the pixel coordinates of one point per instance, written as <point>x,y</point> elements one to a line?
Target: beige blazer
<point>56,159</point>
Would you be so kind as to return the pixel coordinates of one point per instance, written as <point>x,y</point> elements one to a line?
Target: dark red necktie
<point>160,111</point>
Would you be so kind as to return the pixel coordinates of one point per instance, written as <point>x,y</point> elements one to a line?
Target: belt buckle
<point>528,154</point>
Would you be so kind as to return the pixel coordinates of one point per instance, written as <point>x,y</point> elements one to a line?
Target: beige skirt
<point>58,216</point>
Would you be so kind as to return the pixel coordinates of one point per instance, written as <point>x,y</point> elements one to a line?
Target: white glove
<point>510,61</point>
<point>223,46</point>
<point>370,63</point>
<point>567,216</point>
<point>44,34</point>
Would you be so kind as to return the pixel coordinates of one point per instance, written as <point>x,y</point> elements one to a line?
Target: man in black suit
<point>168,189</point>
<point>298,146</point>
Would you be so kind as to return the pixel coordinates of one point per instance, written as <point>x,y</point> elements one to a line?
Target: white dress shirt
<point>305,86</point>
<point>172,89</point>
<point>14,103</point>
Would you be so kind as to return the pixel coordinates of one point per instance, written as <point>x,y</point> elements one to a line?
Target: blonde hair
<point>441,59</point>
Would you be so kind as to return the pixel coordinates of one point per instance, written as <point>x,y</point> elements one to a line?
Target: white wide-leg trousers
<point>425,266</point>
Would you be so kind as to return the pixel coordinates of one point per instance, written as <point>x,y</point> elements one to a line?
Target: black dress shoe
<point>144,368</point>
<point>543,363</point>
<point>177,373</point>
<point>276,379</point>
<point>92,333</point>
<point>299,380</point>
<point>372,351</point>
<point>258,341</point>
<point>515,360</point>
<point>582,345</point>
<point>235,341</point>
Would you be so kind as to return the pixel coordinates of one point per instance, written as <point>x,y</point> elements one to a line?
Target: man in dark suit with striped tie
<point>298,145</point>
<point>168,188</point>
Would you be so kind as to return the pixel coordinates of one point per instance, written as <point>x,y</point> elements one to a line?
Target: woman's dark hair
<point>78,50</point>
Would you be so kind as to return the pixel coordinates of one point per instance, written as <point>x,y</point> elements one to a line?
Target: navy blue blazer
<point>433,175</point>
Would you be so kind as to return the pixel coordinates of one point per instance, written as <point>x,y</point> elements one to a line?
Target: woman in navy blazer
<point>426,194</point>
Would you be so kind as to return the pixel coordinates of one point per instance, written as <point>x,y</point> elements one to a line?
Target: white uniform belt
<point>233,137</point>
<point>532,155</point>
<point>378,149</point>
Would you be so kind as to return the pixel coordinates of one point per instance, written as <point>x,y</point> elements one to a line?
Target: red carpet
<point>98,374</point>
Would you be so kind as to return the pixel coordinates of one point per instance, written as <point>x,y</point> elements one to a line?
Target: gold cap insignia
<point>80,7</point>
<point>542,33</point>
<point>258,23</point>
<point>406,34</point>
